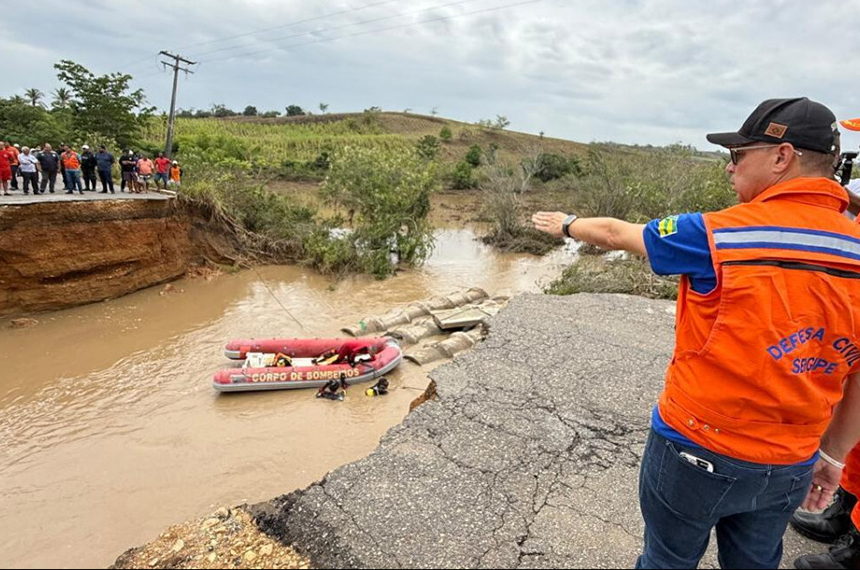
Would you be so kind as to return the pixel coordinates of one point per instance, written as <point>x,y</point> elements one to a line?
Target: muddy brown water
<point>110,430</point>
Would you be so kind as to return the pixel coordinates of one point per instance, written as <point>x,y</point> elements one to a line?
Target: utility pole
<point>168,148</point>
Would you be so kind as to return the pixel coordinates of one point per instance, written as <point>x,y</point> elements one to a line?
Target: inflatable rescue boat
<point>279,364</point>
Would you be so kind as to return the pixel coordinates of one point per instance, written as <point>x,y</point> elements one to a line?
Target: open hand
<point>549,222</point>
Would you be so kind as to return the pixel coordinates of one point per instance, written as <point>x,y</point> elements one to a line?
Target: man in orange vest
<point>838,523</point>
<point>72,168</point>
<point>762,396</point>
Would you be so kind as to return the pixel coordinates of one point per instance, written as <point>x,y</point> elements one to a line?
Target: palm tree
<point>62,98</point>
<point>17,100</point>
<point>35,96</point>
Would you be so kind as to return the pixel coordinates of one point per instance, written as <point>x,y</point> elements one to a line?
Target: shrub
<point>323,161</point>
<point>473,157</point>
<point>502,208</point>
<point>388,196</point>
<point>555,166</point>
<point>445,134</point>
<point>462,178</point>
<point>642,185</point>
<point>428,147</point>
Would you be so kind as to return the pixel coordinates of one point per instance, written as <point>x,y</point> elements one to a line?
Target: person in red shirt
<point>13,163</point>
<point>5,169</point>
<point>162,170</point>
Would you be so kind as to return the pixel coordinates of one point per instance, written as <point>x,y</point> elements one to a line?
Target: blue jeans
<point>748,503</point>
<point>73,179</point>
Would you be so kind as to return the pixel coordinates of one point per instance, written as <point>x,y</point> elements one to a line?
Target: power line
<point>290,24</point>
<point>224,39</point>
<point>321,30</point>
<point>148,75</point>
<point>139,61</point>
<point>486,10</point>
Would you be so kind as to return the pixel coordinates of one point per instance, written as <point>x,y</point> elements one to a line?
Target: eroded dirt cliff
<point>55,255</point>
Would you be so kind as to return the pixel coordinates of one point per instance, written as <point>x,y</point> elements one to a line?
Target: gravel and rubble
<point>227,538</point>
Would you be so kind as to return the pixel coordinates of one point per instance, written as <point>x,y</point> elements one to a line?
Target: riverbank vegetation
<point>611,274</point>
<point>385,198</point>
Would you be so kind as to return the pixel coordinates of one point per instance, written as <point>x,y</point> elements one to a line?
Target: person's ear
<point>783,157</point>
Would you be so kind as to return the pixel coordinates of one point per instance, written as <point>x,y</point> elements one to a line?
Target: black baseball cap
<point>799,121</point>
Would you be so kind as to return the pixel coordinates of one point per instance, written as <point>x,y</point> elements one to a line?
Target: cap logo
<point>776,130</point>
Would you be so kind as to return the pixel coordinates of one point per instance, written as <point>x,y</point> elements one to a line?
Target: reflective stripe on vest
<point>760,363</point>
<point>774,237</point>
<point>71,162</point>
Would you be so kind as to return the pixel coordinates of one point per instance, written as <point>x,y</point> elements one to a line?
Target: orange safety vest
<point>851,480</point>
<point>70,161</point>
<point>761,361</point>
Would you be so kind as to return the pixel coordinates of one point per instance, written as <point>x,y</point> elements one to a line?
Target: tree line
<point>98,109</point>
<point>220,111</point>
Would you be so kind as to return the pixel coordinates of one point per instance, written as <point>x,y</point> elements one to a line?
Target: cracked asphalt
<point>528,458</point>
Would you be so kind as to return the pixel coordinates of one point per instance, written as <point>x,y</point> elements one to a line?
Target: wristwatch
<point>565,225</point>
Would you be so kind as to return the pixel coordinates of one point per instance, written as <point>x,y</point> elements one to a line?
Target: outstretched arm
<point>608,233</point>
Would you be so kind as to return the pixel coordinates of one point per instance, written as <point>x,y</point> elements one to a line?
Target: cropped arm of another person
<point>853,189</point>
<point>839,439</point>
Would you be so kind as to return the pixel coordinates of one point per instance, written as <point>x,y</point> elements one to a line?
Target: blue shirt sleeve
<point>678,245</point>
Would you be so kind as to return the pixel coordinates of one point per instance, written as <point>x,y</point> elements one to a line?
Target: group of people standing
<point>78,171</point>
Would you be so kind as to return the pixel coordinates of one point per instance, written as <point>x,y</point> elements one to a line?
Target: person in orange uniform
<point>175,176</point>
<point>72,169</point>
<point>761,397</point>
<point>838,523</point>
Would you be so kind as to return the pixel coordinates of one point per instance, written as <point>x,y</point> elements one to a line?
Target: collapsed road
<point>528,458</point>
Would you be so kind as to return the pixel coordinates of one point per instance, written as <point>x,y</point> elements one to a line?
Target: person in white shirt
<point>27,167</point>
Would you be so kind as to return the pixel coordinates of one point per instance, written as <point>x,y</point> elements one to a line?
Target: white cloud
<point>636,71</point>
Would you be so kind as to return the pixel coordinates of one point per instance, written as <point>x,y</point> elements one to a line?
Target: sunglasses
<point>734,153</point>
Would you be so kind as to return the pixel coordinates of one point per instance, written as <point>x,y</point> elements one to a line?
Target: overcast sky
<point>631,71</point>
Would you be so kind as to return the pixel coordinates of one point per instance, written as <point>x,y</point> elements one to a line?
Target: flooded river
<point>110,430</point>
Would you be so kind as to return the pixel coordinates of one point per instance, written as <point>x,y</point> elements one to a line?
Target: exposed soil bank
<point>56,255</point>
